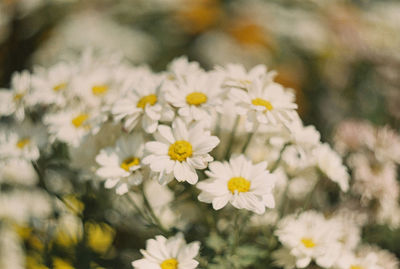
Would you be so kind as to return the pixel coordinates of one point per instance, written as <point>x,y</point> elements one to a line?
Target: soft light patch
<point>196,98</point>
<point>79,120</point>
<point>147,100</point>
<point>169,264</point>
<point>59,87</point>
<point>129,162</point>
<point>356,267</point>
<point>262,102</point>
<point>23,142</point>
<point>180,150</point>
<point>308,242</point>
<point>99,89</point>
<point>239,184</point>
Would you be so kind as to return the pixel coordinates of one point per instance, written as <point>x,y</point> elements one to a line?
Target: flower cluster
<point>228,137</point>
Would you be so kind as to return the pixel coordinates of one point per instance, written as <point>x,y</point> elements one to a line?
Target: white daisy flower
<point>330,163</point>
<point>96,87</point>
<point>171,253</point>
<point>236,75</point>
<point>182,67</point>
<point>121,165</point>
<point>310,237</point>
<point>265,104</point>
<point>196,96</point>
<point>23,141</point>
<point>15,101</point>
<point>350,260</point>
<point>50,85</point>
<point>179,151</point>
<point>71,126</point>
<point>143,102</point>
<point>18,172</point>
<point>243,184</point>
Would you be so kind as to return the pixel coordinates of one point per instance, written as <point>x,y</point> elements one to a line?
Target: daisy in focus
<point>179,151</point>
<point>171,253</point>
<point>196,96</point>
<point>239,182</point>
<point>264,104</point>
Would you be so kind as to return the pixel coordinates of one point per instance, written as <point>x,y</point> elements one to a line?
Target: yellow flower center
<point>79,120</point>
<point>18,96</point>
<point>99,89</point>
<point>148,99</point>
<point>262,102</point>
<point>59,87</point>
<point>239,184</point>
<point>23,142</point>
<point>180,150</point>
<point>196,98</point>
<point>356,267</point>
<point>129,162</point>
<point>169,264</point>
<point>308,242</point>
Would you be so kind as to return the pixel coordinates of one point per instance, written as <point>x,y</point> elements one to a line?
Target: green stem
<point>231,139</point>
<point>249,137</point>
<point>308,200</point>
<point>276,164</point>
<point>156,220</point>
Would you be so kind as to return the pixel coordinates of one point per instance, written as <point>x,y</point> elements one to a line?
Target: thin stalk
<point>276,164</point>
<point>249,137</point>
<point>152,214</point>
<point>231,139</point>
<point>310,196</point>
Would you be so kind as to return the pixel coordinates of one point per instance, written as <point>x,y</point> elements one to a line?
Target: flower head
<point>179,151</point>
<point>171,253</point>
<point>243,184</point>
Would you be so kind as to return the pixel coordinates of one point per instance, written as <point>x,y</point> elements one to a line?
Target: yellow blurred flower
<point>59,263</point>
<point>196,16</point>
<point>99,236</point>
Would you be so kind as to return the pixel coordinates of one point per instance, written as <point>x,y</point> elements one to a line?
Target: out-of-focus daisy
<point>243,184</point>
<point>309,237</point>
<point>196,96</point>
<point>350,260</point>
<point>330,163</point>
<point>120,165</point>
<point>264,104</point>
<point>182,67</point>
<point>96,87</point>
<point>179,151</point>
<point>23,141</point>
<point>171,253</point>
<point>71,126</point>
<point>17,172</point>
<point>385,259</point>
<point>15,101</point>
<point>50,85</point>
<point>143,102</point>
<point>237,76</point>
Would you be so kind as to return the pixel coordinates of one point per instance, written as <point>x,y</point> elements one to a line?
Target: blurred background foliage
<point>341,57</point>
